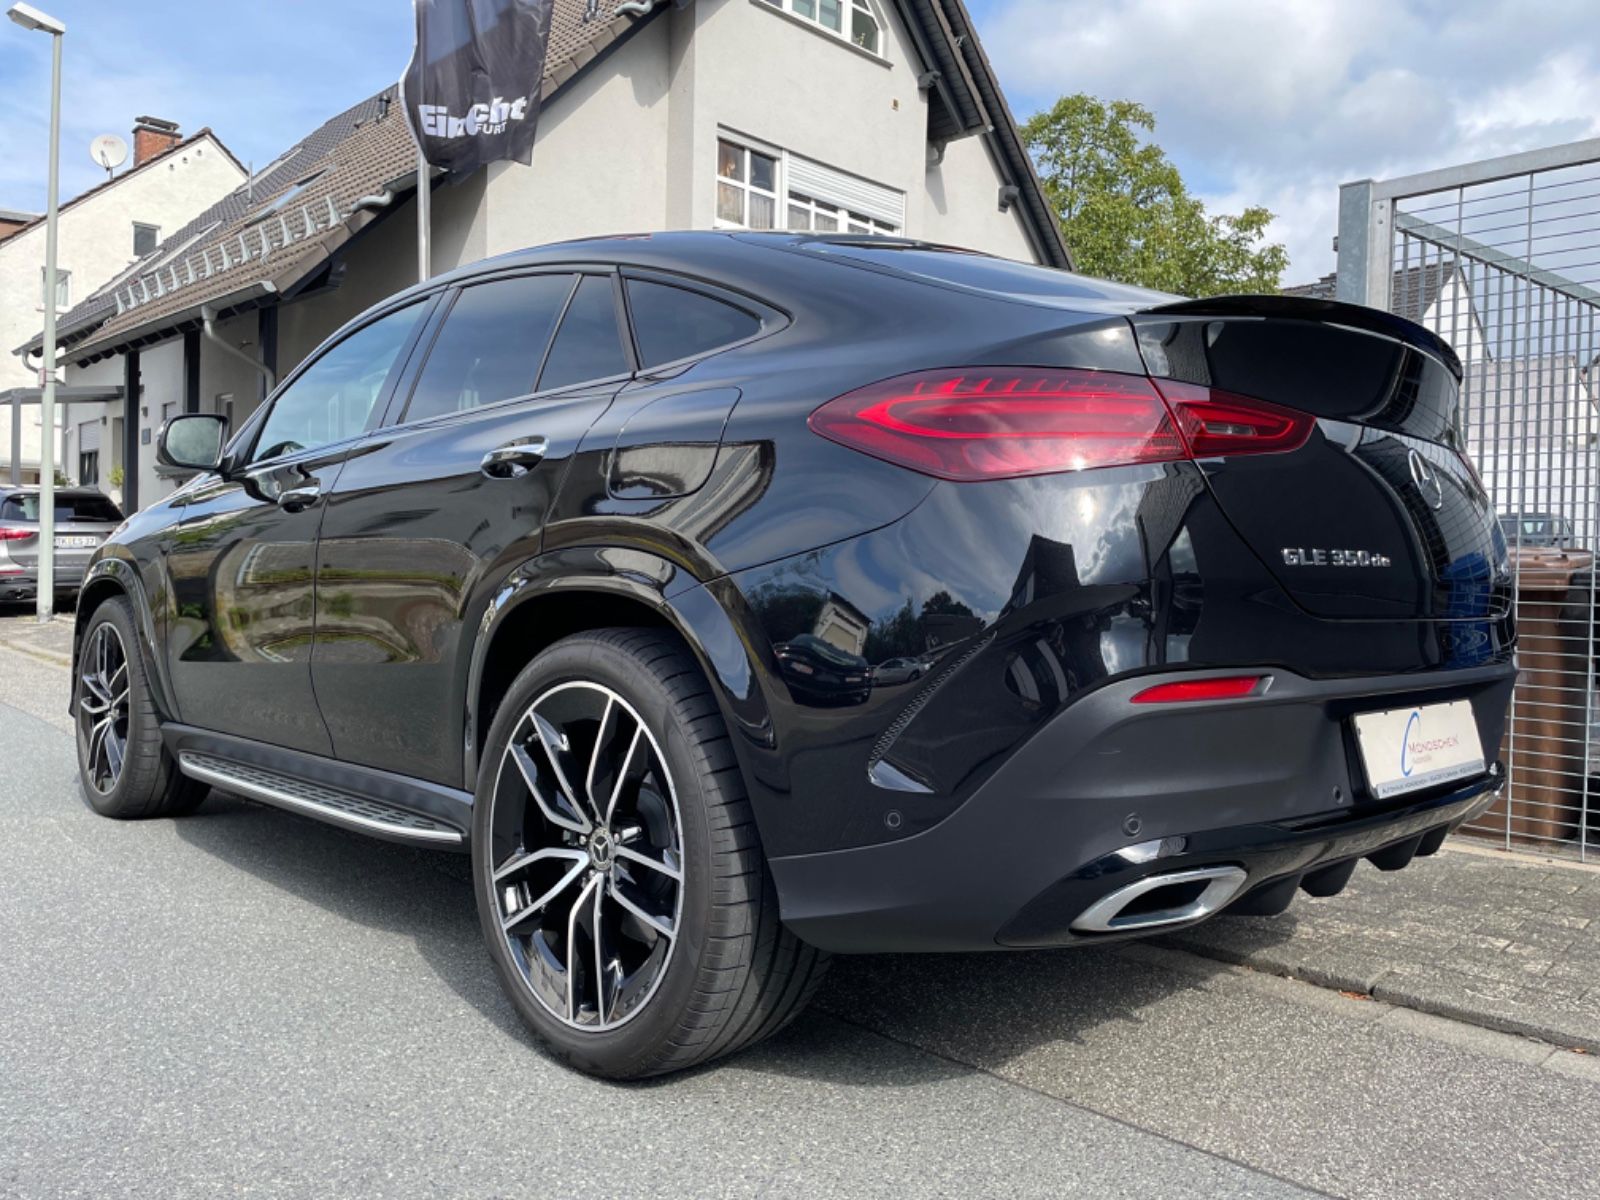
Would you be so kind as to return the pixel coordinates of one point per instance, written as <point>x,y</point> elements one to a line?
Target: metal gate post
<point>1365,252</point>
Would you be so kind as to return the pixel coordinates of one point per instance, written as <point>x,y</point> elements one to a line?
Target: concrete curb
<point>35,652</point>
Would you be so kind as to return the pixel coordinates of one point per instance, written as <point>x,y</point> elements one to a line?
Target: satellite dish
<point>109,150</point>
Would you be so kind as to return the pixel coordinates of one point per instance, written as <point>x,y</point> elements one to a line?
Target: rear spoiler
<point>1325,312</point>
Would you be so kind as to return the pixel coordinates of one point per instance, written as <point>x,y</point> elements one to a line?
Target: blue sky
<point>1257,101</point>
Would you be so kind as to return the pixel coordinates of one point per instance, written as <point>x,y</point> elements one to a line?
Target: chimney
<point>152,135</point>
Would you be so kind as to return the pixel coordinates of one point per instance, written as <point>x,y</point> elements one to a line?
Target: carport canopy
<point>65,396</point>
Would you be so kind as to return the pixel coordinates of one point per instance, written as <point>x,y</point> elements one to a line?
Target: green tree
<point>1127,214</point>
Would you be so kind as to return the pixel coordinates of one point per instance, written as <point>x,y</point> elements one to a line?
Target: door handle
<point>295,499</point>
<point>510,462</point>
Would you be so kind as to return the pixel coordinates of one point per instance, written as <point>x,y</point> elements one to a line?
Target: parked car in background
<point>1537,530</point>
<point>581,559</point>
<point>84,518</point>
<point>823,673</point>
<point>899,670</point>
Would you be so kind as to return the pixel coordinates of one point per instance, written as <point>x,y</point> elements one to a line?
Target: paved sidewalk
<point>1506,942</point>
<point>20,630</point>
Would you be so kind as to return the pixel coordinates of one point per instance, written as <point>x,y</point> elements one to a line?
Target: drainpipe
<point>376,200</point>
<point>208,317</point>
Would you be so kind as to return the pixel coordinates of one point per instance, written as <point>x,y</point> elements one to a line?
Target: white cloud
<point>1277,104</point>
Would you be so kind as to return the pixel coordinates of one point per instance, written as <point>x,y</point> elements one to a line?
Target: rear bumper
<point>25,585</point>
<point>1109,793</point>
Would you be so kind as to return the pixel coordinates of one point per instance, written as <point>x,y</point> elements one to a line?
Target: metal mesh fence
<point>1506,270</point>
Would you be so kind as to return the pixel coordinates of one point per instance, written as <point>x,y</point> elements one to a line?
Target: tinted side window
<point>671,322</point>
<point>333,397</point>
<point>490,346</point>
<point>88,508</point>
<point>588,345</point>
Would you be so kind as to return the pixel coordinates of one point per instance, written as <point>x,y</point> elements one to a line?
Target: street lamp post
<point>31,18</point>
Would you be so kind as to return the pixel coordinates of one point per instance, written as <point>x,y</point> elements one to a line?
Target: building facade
<point>879,116</point>
<point>101,233</point>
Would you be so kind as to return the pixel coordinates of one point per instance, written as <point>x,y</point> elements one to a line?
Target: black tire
<point>148,783</point>
<point>735,975</point>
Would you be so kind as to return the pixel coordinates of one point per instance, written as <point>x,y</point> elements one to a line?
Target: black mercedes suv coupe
<point>605,562</point>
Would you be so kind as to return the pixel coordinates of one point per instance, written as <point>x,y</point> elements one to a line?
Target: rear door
<point>1378,514</point>
<point>435,509</point>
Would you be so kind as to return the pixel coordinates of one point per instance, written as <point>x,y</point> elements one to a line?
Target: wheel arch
<point>574,590</point>
<point>113,576</point>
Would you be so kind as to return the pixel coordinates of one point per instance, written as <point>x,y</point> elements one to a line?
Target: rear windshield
<point>997,276</point>
<point>25,507</point>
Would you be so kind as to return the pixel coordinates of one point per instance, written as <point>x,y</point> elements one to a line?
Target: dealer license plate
<point>1407,749</point>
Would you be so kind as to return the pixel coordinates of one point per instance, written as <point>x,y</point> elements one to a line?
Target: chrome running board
<point>1106,915</point>
<point>360,813</point>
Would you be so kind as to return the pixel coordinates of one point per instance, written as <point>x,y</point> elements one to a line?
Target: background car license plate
<point>74,542</point>
<point>1406,749</point>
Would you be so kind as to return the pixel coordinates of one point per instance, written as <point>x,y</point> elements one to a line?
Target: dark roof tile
<point>1411,294</point>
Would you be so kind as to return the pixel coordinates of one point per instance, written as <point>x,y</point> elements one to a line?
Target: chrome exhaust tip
<point>1171,898</point>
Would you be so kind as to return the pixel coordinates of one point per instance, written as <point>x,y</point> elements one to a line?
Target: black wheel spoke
<point>587,855</point>
<point>665,865</point>
<point>555,807</point>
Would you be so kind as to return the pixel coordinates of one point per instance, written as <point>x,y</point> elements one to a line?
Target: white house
<point>100,233</point>
<point>870,115</point>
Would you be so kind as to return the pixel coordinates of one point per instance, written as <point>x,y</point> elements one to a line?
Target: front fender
<point>114,571</point>
<point>728,652</point>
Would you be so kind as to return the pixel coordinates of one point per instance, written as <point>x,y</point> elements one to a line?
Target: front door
<point>436,509</point>
<point>242,555</point>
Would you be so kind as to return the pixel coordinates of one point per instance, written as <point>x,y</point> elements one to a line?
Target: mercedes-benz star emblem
<point>1427,481</point>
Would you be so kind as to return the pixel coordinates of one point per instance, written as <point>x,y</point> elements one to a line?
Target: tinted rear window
<point>589,344</point>
<point>670,323</point>
<point>25,507</point>
<point>995,276</point>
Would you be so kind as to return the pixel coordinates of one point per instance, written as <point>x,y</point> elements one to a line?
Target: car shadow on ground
<point>967,1010</point>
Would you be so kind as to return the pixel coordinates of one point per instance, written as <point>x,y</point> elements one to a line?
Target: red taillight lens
<point>998,424</point>
<point>1230,687</point>
<point>16,535</point>
<point>1216,423</point>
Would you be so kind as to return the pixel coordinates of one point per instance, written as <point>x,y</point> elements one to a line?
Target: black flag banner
<point>471,90</point>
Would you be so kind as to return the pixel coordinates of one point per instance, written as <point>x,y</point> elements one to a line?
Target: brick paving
<point>1506,942</point>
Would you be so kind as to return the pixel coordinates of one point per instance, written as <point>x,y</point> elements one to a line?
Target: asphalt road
<point>245,1002</point>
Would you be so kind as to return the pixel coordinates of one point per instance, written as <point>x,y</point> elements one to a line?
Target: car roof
<point>32,489</point>
<point>745,260</point>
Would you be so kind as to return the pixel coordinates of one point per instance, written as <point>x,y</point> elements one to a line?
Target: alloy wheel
<point>586,856</point>
<point>103,708</point>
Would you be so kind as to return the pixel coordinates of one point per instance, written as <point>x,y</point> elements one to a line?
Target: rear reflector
<point>1230,687</point>
<point>1004,422</point>
<point>17,535</point>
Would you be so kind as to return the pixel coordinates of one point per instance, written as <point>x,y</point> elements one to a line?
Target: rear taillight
<point>1229,687</point>
<point>999,423</point>
<point>16,535</point>
<point>1217,424</point>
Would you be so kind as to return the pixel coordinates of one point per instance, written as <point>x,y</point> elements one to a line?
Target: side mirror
<point>192,442</point>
